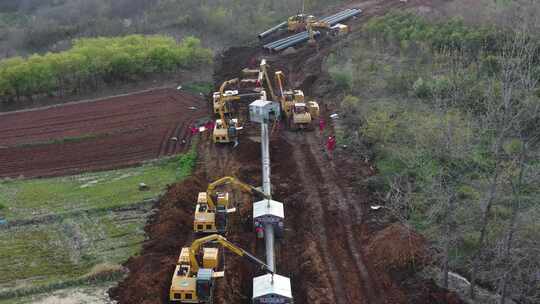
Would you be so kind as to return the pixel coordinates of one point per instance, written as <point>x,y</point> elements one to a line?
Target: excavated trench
<point>332,250</point>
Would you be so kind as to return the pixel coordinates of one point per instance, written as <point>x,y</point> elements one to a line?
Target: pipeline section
<point>267,189</point>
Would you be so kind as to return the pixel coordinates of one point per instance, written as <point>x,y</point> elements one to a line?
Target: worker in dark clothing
<point>210,127</point>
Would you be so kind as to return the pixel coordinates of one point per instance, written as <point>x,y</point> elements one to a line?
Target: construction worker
<point>330,145</point>
<point>322,124</point>
<point>210,127</point>
<point>194,130</point>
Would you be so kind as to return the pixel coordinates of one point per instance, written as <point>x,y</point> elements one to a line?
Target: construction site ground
<point>96,135</point>
<point>335,250</point>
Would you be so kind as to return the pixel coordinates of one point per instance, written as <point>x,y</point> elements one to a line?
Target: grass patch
<point>198,87</point>
<point>67,231</point>
<point>27,199</point>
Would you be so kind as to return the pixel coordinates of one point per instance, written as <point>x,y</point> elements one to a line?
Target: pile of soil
<point>168,231</point>
<point>397,248</point>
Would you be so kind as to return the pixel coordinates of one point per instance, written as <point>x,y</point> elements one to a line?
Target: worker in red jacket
<point>330,145</point>
<point>193,129</point>
<point>322,124</point>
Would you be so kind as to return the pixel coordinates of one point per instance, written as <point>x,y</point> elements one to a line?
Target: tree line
<point>94,61</point>
<point>453,130</point>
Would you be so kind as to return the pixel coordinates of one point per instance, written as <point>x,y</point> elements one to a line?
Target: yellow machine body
<point>297,23</point>
<point>188,275</point>
<point>204,220</point>
<point>301,115</point>
<point>184,284</point>
<point>210,258</point>
<point>222,133</point>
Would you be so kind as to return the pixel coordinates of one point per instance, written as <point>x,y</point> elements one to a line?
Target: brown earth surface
<point>333,243</point>
<point>98,135</point>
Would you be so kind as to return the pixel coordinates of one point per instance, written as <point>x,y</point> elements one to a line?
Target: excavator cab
<point>297,23</point>
<point>301,115</point>
<point>211,221</point>
<point>226,133</point>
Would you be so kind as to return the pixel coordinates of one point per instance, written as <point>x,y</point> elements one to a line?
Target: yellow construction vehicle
<point>298,114</point>
<point>297,23</point>
<point>226,128</point>
<point>192,283</point>
<point>210,215</point>
<point>222,97</point>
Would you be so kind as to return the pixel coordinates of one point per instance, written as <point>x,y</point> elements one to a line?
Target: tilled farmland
<point>97,135</point>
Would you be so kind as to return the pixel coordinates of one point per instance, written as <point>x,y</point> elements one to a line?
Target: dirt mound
<point>397,248</point>
<point>168,231</point>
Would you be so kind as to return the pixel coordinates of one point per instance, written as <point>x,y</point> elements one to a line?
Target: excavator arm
<point>210,191</point>
<point>263,75</point>
<point>227,83</point>
<point>196,245</point>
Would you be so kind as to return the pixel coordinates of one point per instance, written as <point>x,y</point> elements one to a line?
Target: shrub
<point>422,89</point>
<point>90,59</point>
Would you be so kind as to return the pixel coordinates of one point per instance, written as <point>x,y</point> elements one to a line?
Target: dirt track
<point>326,249</point>
<point>105,134</point>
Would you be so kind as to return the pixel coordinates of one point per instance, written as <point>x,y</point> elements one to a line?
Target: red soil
<point>88,136</point>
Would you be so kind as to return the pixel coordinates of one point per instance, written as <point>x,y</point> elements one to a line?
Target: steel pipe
<point>272,30</point>
<point>326,19</point>
<point>265,147</point>
<point>269,241</point>
<point>345,16</point>
<point>292,43</point>
<point>341,16</point>
<point>280,41</point>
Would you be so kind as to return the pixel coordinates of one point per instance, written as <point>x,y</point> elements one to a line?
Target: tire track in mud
<point>308,181</point>
<point>345,204</point>
<point>332,209</point>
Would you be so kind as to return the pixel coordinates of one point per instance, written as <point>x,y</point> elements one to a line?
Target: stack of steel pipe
<point>289,41</point>
<point>293,40</point>
<point>341,16</point>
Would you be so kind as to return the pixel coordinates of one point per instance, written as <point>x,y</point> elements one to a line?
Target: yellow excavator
<point>226,128</point>
<point>192,283</point>
<point>312,24</point>
<point>298,113</point>
<point>210,215</point>
<point>223,99</point>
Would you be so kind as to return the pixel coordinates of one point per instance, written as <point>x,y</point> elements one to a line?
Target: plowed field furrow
<point>130,129</point>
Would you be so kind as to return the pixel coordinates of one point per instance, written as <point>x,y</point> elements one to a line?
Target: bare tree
<point>504,112</point>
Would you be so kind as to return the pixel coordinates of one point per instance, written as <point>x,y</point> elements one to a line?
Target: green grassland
<point>65,231</point>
